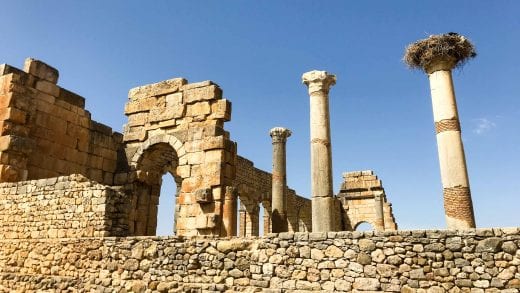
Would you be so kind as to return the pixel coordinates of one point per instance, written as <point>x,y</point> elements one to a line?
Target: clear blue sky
<point>381,114</point>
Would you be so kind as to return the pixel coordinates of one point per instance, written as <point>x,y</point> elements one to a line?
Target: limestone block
<point>48,88</point>
<point>214,156</point>
<point>198,109</point>
<point>221,109</point>
<point>41,70</point>
<point>203,195</point>
<point>156,89</point>
<point>205,93</point>
<point>173,99</point>
<point>13,114</point>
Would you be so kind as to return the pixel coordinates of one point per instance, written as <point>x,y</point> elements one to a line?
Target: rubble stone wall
<point>46,132</point>
<point>59,207</point>
<point>483,260</point>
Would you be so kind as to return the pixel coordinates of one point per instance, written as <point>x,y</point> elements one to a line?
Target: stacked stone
<point>179,128</point>
<point>46,131</point>
<point>363,199</point>
<point>254,189</point>
<point>59,207</point>
<point>482,260</point>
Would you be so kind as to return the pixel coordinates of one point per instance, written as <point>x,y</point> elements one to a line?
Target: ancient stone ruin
<point>78,202</point>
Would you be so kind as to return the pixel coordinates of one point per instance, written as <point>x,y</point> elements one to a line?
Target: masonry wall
<point>484,260</point>
<point>254,188</point>
<point>357,198</point>
<point>45,130</point>
<point>59,207</point>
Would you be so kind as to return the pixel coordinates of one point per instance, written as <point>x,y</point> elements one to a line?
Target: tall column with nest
<point>437,56</point>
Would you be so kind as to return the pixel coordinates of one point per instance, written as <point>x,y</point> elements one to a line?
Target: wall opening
<point>155,163</point>
<point>364,226</point>
<point>166,210</point>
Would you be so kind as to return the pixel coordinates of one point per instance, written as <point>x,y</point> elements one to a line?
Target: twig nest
<point>446,50</point>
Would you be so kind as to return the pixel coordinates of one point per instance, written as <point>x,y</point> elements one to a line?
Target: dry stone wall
<point>45,130</point>
<point>61,207</point>
<point>483,260</point>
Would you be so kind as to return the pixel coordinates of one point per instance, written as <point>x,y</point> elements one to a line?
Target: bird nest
<point>451,47</point>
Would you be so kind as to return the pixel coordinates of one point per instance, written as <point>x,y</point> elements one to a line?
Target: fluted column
<point>319,83</point>
<point>279,136</point>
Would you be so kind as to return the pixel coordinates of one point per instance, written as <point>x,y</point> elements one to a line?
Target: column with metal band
<point>319,83</point>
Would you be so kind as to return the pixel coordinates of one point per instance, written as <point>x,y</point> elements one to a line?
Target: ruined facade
<point>173,127</point>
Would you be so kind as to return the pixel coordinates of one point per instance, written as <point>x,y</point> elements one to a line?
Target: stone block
<point>173,100</point>
<point>221,109</point>
<point>41,70</point>
<point>210,92</point>
<point>48,88</point>
<point>157,89</point>
<point>203,195</point>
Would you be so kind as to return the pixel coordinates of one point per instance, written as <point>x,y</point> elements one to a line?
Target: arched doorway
<point>363,226</point>
<point>154,162</point>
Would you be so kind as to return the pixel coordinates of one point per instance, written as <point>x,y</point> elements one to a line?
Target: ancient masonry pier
<point>437,56</point>
<point>279,136</point>
<point>319,83</point>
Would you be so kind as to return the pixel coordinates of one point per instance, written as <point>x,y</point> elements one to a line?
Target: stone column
<point>457,196</point>
<point>229,214</point>
<point>279,136</point>
<point>378,205</point>
<point>319,83</point>
<point>437,55</point>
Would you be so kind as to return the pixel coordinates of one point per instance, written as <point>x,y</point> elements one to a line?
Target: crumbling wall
<point>45,130</point>
<point>177,127</point>
<point>61,207</point>
<point>254,187</point>
<point>482,260</point>
<point>359,195</point>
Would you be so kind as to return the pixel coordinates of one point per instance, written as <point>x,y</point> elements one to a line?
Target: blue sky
<point>381,116</point>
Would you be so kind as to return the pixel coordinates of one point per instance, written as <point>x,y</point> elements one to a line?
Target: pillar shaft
<point>279,180</point>
<point>229,215</point>
<point>457,196</point>
<point>379,212</point>
<point>319,83</point>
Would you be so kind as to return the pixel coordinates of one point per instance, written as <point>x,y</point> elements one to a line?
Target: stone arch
<point>358,224</point>
<point>249,211</point>
<point>173,141</point>
<point>156,156</point>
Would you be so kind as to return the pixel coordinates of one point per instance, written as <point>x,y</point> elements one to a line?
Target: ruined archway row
<point>173,127</point>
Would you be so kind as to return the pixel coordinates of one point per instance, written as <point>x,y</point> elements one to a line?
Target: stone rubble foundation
<point>481,260</point>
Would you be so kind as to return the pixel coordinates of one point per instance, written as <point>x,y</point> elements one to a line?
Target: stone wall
<point>68,206</point>
<point>45,130</point>
<point>178,127</point>
<point>254,189</point>
<point>483,260</point>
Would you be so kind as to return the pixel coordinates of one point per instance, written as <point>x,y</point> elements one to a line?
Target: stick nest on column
<point>450,46</point>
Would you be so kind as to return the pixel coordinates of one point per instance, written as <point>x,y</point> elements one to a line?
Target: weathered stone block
<point>41,70</point>
<point>205,93</point>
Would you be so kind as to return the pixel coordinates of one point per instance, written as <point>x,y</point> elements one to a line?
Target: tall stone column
<point>379,212</point>
<point>279,136</point>
<point>319,83</point>
<point>437,56</point>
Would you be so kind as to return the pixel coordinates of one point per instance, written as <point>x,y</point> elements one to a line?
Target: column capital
<point>280,134</point>
<point>318,81</point>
